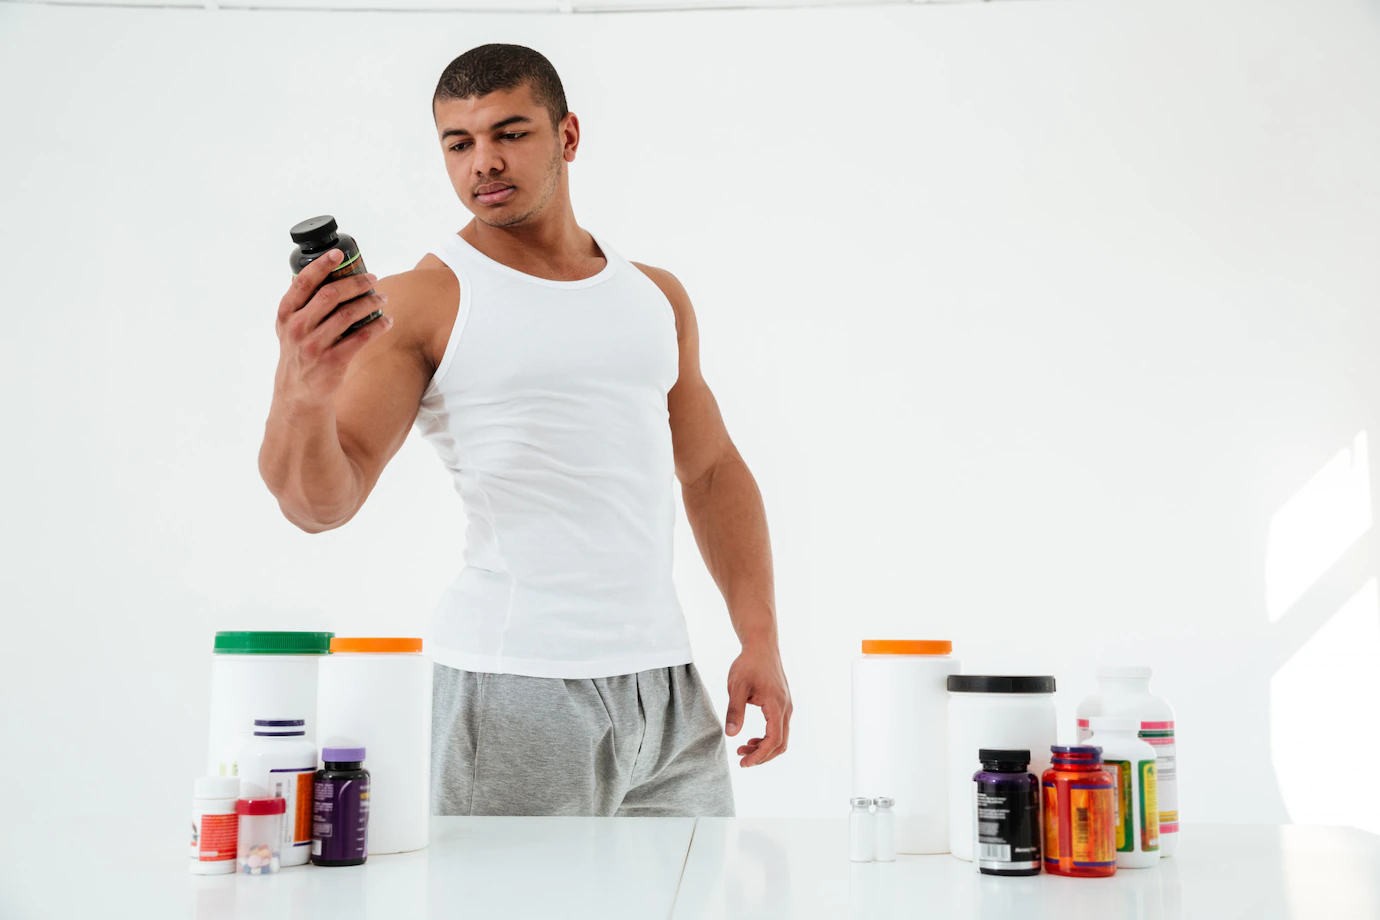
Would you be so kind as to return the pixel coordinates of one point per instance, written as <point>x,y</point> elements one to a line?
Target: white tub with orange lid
<point>899,749</point>
<point>376,693</point>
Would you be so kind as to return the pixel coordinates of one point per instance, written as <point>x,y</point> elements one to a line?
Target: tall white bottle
<point>1131,762</point>
<point>1125,691</point>
<point>376,693</point>
<point>899,701</point>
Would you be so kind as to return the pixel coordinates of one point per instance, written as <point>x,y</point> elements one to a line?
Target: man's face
<point>502,139</point>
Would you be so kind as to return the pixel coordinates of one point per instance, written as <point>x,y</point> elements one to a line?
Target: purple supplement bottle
<point>340,809</point>
<point>1006,806</point>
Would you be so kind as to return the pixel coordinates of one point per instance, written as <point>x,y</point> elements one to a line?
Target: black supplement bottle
<point>315,238</point>
<point>1006,811</point>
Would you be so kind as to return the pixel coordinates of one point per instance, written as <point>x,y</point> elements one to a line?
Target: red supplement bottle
<point>1079,813</point>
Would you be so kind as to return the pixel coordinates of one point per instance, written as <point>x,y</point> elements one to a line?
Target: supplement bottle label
<point>1008,829</point>
<point>1121,776</point>
<point>296,787</point>
<point>1090,811</point>
<point>341,819</point>
<point>1160,735</point>
<point>214,837</point>
<point>1051,822</point>
<point>1149,808</point>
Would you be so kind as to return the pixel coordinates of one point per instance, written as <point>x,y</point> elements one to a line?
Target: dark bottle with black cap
<point>315,238</point>
<point>1006,814</point>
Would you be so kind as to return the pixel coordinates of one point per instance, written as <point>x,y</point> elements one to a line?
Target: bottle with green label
<point>1131,762</point>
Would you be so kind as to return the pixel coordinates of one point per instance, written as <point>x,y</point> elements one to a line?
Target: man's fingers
<point>771,738</point>
<point>737,704</point>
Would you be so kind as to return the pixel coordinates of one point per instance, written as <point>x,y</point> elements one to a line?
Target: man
<point>561,386</point>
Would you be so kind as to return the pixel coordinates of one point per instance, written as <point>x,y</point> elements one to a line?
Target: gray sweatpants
<point>644,744</point>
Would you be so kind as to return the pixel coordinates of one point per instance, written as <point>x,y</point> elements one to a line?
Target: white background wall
<point>1046,327</point>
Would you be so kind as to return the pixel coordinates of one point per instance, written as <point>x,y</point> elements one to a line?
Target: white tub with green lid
<point>257,672</point>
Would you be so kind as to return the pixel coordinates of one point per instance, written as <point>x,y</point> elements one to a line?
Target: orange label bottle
<point>1079,813</point>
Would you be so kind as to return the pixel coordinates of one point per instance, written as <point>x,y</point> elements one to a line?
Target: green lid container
<point>273,643</point>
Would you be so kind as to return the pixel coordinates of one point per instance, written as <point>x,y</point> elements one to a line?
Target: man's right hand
<point>312,363</point>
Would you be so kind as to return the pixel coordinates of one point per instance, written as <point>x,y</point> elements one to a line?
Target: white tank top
<point>549,409</point>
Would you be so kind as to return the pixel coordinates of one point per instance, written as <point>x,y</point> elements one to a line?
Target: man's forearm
<point>305,467</point>
<point>730,525</point>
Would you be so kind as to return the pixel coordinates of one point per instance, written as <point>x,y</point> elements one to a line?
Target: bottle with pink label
<point>1124,692</point>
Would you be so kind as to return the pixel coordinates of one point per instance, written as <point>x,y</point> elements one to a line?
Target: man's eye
<point>466,143</point>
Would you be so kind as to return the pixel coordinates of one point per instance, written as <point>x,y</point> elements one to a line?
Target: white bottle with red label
<point>1125,692</point>
<point>215,825</point>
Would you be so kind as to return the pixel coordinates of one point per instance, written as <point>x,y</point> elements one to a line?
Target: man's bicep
<point>698,435</point>
<point>378,399</point>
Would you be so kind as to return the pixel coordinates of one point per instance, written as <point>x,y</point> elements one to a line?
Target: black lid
<point>991,755</point>
<point>984,683</point>
<point>315,229</point>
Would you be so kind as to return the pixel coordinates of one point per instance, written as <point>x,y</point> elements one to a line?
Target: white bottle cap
<point>1126,672</point>
<point>1113,724</point>
<point>217,787</point>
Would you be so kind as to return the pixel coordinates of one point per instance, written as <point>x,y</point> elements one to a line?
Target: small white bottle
<point>215,826</point>
<point>1125,691</point>
<point>279,762</point>
<point>861,836</point>
<point>884,821</point>
<point>1131,762</point>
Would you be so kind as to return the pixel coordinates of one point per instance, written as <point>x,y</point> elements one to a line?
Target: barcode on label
<point>999,852</point>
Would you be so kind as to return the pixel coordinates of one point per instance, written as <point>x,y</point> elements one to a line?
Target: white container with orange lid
<point>376,693</point>
<point>899,724</point>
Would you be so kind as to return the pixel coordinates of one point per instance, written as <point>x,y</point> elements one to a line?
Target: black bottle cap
<point>988,755</point>
<point>979,683</point>
<point>316,229</point>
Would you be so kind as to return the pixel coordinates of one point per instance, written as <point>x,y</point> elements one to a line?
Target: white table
<point>611,868</point>
<point>789,867</point>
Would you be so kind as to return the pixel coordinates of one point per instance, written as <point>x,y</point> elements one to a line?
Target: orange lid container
<point>395,645</point>
<point>888,646</point>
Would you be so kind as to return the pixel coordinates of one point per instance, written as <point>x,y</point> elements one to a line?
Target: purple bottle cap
<point>342,754</point>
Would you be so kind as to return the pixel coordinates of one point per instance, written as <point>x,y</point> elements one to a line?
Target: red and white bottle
<point>1125,692</point>
<point>215,826</point>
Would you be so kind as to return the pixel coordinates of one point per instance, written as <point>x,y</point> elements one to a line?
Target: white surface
<point>1012,721</point>
<point>798,868</point>
<point>1025,315</point>
<point>383,702</point>
<point>899,705</point>
<point>597,868</point>
<point>640,868</point>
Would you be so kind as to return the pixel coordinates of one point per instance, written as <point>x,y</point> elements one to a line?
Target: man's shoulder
<point>423,301</point>
<point>670,285</point>
<point>661,276</point>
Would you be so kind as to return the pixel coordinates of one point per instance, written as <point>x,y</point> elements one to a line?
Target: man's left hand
<point>757,677</point>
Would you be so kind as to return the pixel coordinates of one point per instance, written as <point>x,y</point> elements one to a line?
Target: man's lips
<point>494,197</point>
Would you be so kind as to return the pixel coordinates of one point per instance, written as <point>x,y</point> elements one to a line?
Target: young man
<point>560,384</point>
